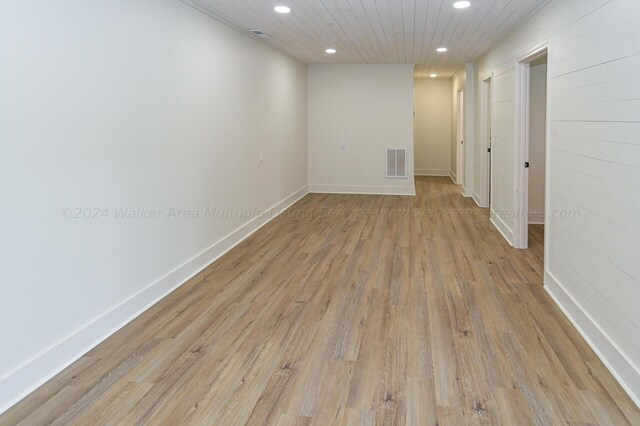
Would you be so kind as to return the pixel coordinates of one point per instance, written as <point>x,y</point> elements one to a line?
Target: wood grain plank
<point>391,310</point>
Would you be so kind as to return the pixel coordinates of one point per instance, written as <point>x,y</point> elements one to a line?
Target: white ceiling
<point>378,31</point>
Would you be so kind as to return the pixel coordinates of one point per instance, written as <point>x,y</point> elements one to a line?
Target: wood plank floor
<point>349,309</point>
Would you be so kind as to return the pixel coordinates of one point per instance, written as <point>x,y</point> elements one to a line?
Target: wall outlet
<point>260,157</point>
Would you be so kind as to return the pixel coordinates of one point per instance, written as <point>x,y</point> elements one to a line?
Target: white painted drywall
<point>127,104</point>
<point>593,257</point>
<point>537,138</point>
<point>432,126</point>
<point>363,109</point>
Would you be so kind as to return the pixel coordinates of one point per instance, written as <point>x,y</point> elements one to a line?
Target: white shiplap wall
<point>592,261</point>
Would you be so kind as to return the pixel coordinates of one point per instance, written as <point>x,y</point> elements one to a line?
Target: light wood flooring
<point>349,309</point>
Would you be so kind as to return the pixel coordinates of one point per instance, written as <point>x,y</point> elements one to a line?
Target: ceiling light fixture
<point>462,4</point>
<point>441,49</point>
<point>331,51</point>
<point>282,9</point>
<point>433,75</point>
<point>259,33</point>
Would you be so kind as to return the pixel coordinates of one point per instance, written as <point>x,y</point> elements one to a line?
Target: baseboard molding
<point>453,177</point>
<point>476,198</point>
<point>502,227</point>
<point>432,172</point>
<point>467,192</point>
<point>24,379</point>
<point>362,189</point>
<point>536,218</point>
<point>612,357</point>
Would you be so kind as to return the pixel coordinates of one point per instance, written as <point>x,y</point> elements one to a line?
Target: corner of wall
<point>501,226</point>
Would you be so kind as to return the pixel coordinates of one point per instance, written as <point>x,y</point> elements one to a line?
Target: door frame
<point>521,151</point>
<point>486,96</point>
<point>460,135</point>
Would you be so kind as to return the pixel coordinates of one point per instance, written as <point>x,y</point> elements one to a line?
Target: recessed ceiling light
<point>331,51</point>
<point>441,49</point>
<point>282,9</point>
<point>462,4</point>
<point>433,75</point>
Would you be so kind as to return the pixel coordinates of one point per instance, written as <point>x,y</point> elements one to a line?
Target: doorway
<point>460,138</point>
<point>486,96</point>
<point>531,146</point>
<point>537,146</point>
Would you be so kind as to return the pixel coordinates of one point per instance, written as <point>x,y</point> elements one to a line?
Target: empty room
<point>327,212</point>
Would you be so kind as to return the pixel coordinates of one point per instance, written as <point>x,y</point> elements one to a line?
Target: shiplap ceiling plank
<point>434,9</point>
<point>378,31</point>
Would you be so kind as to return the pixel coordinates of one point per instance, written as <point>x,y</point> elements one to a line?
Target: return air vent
<point>396,163</point>
<point>259,33</point>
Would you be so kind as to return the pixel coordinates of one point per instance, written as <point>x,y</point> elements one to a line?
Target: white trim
<point>537,218</point>
<point>521,148</point>
<point>432,172</point>
<point>521,154</point>
<point>24,379</point>
<point>453,176</point>
<point>547,150</point>
<point>476,198</point>
<point>534,53</point>
<point>486,76</point>
<point>470,129</point>
<point>467,192</point>
<point>362,189</point>
<point>622,369</point>
<point>461,114</point>
<point>504,229</point>
<point>486,123</point>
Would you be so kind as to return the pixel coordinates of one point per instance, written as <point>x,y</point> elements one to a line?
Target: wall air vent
<point>259,33</point>
<point>396,163</point>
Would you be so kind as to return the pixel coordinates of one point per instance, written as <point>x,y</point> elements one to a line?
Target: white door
<point>487,123</point>
<point>460,140</point>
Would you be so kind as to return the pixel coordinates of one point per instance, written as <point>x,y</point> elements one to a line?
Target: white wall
<point>593,150</point>
<point>112,104</point>
<point>367,108</point>
<point>537,136</point>
<point>432,126</point>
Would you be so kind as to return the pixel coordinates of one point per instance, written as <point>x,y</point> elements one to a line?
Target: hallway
<point>349,309</point>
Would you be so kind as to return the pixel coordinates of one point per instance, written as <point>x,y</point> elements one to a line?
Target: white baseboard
<point>612,357</point>
<point>467,192</point>
<point>536,218</point>
<point>24,379</point>
<point>476,198</point>
<point>432,172</point>
<point>506,232</point>
<point>362,189</point>
<point>453,177</point>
